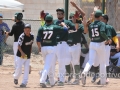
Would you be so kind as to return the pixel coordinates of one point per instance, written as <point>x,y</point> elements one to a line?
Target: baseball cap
<point>1,15</point>
<point>60,9</point>
<point>49,17</point>
<point>98,13</point>
<point>27,25</point>
<point>71,14</point>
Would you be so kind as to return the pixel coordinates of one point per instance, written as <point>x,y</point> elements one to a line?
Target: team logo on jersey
<point>29,43</point>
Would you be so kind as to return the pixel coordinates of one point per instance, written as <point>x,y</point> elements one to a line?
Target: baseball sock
<point>77,71</point>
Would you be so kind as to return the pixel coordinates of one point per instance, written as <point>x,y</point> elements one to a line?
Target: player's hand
<point>73,4</point>
<point>96,8</point>
<point>23,55</point>
<point>63,24</point>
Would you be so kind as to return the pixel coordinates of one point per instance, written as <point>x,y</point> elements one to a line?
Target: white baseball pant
<point>107,55</point>
<point>117,55</point>
<point>75,51</point>
<point>63,57</point>
<point>15,49</point>
<point>48,53</point>
<point>18,70</point>
<point>86,59</point>
<point>97,53</point>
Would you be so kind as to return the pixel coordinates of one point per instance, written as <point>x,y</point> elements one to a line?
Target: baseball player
<point>112,34</point>
<point>62,47</point>
<point>46,41</point>
<point>97,47</point>
<point>17,30</point>
<point>3,28</point>
<point>74,42</point>
<point>25,42</point>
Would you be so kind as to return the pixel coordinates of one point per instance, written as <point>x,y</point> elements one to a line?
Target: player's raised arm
<point>85,25</point>
<point>78,8</point>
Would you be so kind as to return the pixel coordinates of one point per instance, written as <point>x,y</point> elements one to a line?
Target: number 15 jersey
<point>48,34</point>
<point>95,30</point>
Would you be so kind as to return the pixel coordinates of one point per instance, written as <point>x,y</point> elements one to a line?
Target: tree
<point>112,12</point>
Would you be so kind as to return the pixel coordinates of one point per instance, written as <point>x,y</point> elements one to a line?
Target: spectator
<point>3,27</point>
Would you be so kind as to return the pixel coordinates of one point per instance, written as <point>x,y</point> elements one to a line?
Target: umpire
<point>17,30</point>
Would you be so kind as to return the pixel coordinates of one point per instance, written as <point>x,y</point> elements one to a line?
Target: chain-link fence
<point>35,24</point>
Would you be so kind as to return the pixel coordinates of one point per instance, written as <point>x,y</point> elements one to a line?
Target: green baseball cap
<point>60,9</point>
<point>98,13</point>
<point>49,17</point>
<point>71,14</point>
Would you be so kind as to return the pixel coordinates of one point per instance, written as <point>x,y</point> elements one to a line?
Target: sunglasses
<point>59,13</point>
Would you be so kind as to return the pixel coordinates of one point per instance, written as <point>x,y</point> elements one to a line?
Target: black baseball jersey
<point>17,30</point>
<point>26,44</point>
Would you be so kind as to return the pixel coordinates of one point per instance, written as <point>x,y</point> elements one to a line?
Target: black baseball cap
<point>27,25</point>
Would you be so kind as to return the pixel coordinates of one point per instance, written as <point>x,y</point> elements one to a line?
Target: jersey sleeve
<point>71,25</point>
<point>102,27</point>
<point>81,28</point>
<point>38,38</point>
<point>113,32</point>
<point>21,39</point>
<point>12,31</point>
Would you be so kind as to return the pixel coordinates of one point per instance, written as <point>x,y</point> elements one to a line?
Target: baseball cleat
<point>16,81</point>
<point>23,85</point>
<point>76,82</point>
<point>83,79</point>
<point>42,85</point>
<point>60,83</point>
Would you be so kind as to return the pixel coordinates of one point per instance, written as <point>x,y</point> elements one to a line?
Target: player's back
<point>49,33</point>
<point>95,29</point>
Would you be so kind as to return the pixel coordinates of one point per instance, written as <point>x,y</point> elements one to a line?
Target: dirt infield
<point>6,78</point>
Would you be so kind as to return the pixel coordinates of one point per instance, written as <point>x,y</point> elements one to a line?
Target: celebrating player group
<point>60,41</point>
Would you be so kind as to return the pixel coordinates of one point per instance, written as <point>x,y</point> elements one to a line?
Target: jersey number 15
<point>47,34</point>
<point>95,32</point>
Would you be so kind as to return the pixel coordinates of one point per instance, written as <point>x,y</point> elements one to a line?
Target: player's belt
<point>72,44</point>
<point>61,42</point>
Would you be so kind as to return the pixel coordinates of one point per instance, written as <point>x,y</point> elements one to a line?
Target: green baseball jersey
<point>94,31</point>
<point>48,34</point>
<point>64,35</point>
<point>111,30</point>
<point>74,36</point>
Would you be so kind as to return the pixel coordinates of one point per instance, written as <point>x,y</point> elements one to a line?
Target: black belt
<point>72,44</point>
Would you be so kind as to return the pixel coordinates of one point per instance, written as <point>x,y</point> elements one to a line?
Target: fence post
<point>66,9</point>
<point>103,6</point>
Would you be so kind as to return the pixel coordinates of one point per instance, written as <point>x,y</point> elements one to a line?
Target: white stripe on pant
<point>15,49</point>
<point>18,70</point>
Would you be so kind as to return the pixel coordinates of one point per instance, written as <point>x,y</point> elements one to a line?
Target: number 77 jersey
<point>48,34</point>
<point>94,31</point>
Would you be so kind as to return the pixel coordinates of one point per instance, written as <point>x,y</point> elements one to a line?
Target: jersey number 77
<point>47,34</point>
